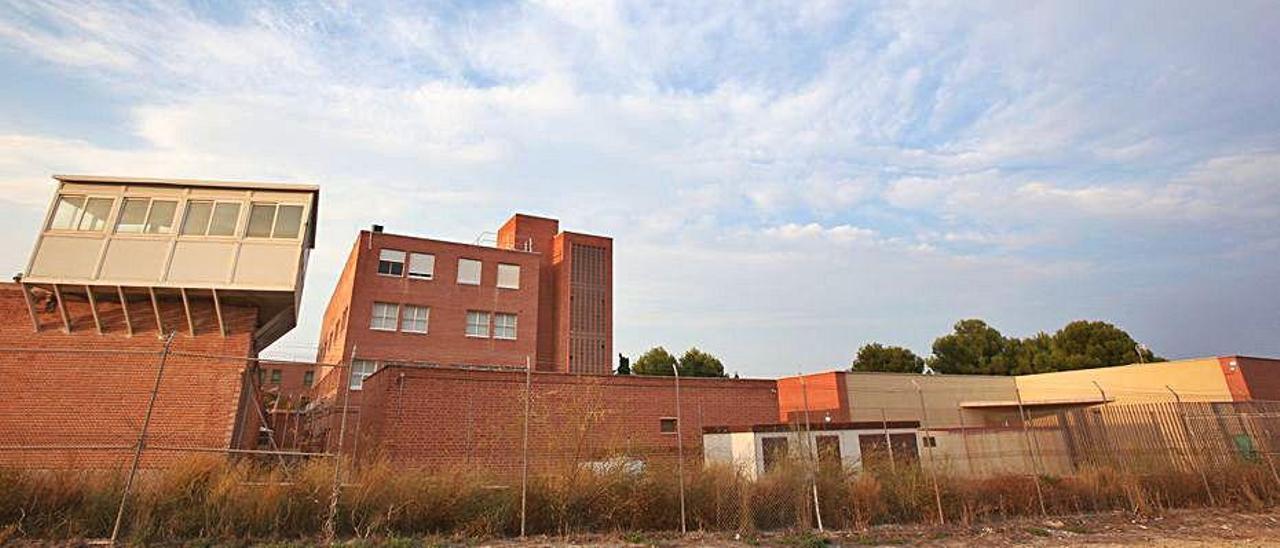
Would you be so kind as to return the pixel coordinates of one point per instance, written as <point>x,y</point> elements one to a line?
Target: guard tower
<point>149,243</point>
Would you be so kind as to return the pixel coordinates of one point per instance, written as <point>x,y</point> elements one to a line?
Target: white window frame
<point>378,322</point>
<point>499,329</point>
<point>409,313</point>
<point>424,270</point>
<point>208,223</point>
<point>147,221</point>
<point>360,370</point>
<point>505,271</point>
<point>275,218</point>
<point>488,324</point>
<point>78,216</point>
<point>383,258</point>
<point>479,271</point>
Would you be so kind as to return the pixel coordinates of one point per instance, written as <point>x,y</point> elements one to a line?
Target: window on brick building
<point>477,324</point>
<point>81,213</point>
<point>276,376</point>
<point>422,266</point>
<point>509,276</point>
<point>391,262</point>
<point>468,272</point>
<point>414,319</point>
<point>308,377</point>
<point>504,326</point>
<point>385,316</point>
<point>360,370</point>
<point>667,425</point>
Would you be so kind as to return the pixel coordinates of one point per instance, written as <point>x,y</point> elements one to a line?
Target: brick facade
<point>82,395</point>
<point>442,418</point>
<point>346,330</point>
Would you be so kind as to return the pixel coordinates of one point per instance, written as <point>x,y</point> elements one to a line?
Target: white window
<point>391,262</point>
<point>509,276</point>
<point>385,316</point>
<point>422,266</point>
<point>205,218</point>
<point>267,220</point>
<point>146,215</point>
<point>469,271</point>
<point>360,370</point>
<point>414,319</point>
<point>504,326</point>
<point>477,324</point>
<point>81,213</point>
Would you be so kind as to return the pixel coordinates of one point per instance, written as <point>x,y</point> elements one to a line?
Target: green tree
<point>655,361</point>
<point>1032,355</point>
<point>890,359</point>
<point>624,365</point>
<point>1087,344</point>
<point>973,348</point>
<point>696,363</point>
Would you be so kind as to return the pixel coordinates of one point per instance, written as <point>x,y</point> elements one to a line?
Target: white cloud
<point>756,138</point>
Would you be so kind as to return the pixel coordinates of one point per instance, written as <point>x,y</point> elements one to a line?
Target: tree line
<point>972,348</point>
<point>658,361</point>
<point>975,348</point>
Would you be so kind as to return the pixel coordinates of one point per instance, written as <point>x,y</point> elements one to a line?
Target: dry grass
<point>213,498</point>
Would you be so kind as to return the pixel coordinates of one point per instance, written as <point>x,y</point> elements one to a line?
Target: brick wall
<point>1261,375</point>
<point>449,417</point>
<point>82,388</point>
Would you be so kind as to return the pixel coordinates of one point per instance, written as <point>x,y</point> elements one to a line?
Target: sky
<point>784,181</point>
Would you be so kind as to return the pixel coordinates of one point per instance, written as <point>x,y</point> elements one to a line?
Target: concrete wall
<point>1195,380</point>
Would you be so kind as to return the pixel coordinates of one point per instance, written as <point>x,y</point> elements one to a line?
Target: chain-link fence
<point>177,443</point>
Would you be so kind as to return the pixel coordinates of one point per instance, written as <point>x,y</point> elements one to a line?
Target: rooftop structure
<point>168,240</point>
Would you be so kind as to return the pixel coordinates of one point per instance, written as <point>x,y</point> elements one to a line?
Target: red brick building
<point>120,265</point>
<point>541,297</point>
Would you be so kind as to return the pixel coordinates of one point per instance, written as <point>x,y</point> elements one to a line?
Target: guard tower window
<point>206,218</point>
<point>81,213</point>
<point>268,220</point>
<point>145,215</point>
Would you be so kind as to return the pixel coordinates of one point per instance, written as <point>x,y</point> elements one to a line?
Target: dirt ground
<point>1184,528</point>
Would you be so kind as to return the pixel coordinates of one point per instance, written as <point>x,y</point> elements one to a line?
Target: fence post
<point>524,449</point>
<point>142,439</point>
<point>964,433</point>
<point>330,523</point>
<point>1186,432</point>
<point>933,473</point>
<point>888,442</point>
<point>679,447</point>
<point>1026,434</point>
<point>1106,432</point>
<point>811,449</point>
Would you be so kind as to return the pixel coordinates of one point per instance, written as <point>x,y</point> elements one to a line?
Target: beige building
<point>153,240</point>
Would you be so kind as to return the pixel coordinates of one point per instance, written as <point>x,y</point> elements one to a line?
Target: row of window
<point>410,318</point>
<point>422,266</point>
<point>308,376</point>
<point>157,216</point>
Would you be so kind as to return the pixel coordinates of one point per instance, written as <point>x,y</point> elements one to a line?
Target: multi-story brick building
<point>119,265</point>
<point>541,297</point>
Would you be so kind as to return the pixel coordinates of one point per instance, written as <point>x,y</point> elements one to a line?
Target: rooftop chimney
<point>377,229</point>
